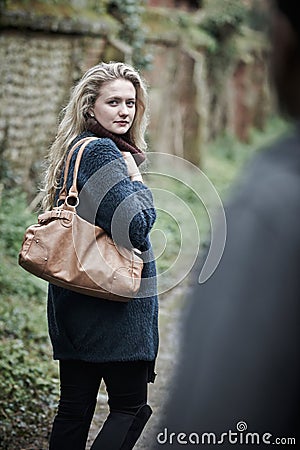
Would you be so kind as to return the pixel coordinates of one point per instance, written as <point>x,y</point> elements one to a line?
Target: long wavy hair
<point>82,99</point>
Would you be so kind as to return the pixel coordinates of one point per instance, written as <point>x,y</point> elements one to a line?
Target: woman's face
<point>116,105</point>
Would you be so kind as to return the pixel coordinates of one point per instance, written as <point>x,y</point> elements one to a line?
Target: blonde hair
<point>83,97</point>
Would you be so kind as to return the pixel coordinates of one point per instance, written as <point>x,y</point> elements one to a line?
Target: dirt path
<point>169,326</point>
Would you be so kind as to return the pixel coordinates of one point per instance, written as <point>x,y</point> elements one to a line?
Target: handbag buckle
<point>72,200</point>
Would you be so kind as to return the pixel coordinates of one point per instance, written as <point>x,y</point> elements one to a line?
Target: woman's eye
<point>129,103</point>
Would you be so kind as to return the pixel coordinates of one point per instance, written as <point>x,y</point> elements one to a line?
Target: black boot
<point>134,432</point>
<point>120,431</point>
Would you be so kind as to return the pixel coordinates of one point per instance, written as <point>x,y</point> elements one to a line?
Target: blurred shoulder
<point>272,175</point>
<point>267,192</point>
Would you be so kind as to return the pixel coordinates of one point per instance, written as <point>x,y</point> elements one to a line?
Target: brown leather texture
<point>70,252</point>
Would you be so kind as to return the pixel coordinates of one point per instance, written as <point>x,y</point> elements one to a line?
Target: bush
<point>28,382</point>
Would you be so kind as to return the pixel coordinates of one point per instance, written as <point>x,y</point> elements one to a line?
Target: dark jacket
<point>239,368</point>
<point>92,329</point>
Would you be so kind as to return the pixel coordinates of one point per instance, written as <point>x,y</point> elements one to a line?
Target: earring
<point>92,114</point>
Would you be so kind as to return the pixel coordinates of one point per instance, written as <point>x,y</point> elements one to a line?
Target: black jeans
<point>126,385</point>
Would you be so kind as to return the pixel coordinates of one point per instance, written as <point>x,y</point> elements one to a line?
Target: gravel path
<point>169,326</point>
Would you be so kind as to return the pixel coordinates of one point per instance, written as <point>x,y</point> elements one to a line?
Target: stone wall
<point>188,107</point>
<point>37,71</point>
<point>179,102</point>
<point>193,102</point>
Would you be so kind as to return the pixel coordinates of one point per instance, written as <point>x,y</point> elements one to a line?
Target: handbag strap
<point>73,192</point>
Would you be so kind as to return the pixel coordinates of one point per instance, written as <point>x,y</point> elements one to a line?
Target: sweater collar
<point>122,141</point>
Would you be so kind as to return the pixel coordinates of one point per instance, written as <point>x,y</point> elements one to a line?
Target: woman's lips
<point>121,122</point>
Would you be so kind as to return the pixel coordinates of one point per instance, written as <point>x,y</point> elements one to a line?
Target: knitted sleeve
<point>108,198</point>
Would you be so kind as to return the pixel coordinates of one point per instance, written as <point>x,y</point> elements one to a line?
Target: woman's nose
<point>123,109</point>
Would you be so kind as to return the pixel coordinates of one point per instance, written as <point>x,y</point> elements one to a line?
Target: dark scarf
<point>122,141</point>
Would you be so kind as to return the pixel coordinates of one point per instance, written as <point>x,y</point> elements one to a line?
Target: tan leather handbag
<point>70,252</point>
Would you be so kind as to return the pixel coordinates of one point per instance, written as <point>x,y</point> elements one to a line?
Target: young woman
<point>96,339</point>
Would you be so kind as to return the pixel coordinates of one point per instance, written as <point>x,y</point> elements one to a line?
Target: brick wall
<point>36,73</point>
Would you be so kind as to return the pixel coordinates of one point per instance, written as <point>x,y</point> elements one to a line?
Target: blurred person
<point>238,377</point>
<point>96,339</point>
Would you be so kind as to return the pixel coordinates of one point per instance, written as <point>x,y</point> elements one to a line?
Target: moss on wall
<point>57,16</point>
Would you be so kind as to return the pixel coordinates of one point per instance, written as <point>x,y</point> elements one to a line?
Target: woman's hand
<point>132,168</point>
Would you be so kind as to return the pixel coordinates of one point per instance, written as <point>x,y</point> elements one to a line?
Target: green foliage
<point>226,156</point>
<point>26,394</point>
<point>223,18</point>
<point>13,219</point>
<point>227,22</point>
<point>129,13</point>
<point>28,375</point>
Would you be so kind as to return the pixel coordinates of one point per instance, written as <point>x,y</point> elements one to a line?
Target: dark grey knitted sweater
<point>92,329</point>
